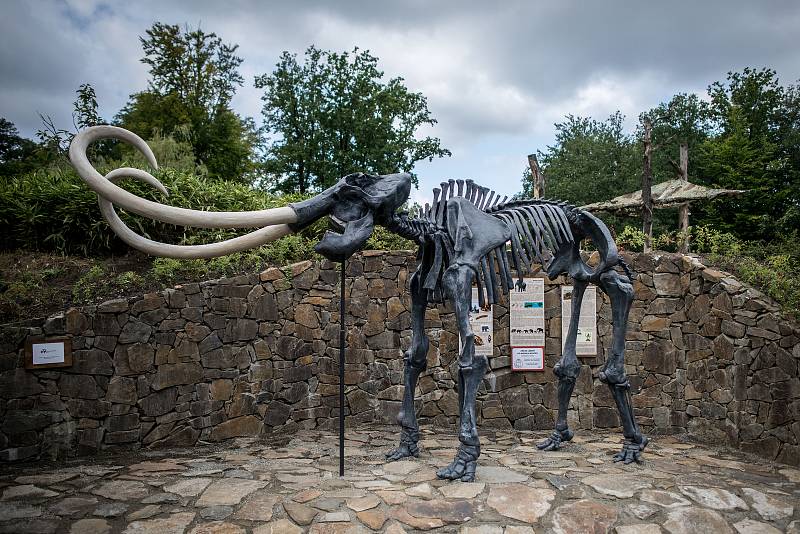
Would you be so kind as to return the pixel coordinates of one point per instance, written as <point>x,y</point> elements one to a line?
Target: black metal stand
<point>341,372</point>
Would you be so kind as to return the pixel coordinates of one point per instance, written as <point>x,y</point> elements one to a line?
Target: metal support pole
<point>341,372</point>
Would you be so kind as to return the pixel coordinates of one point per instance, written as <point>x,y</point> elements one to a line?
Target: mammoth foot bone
<point>408,445</point>
<point>404,450</point>
<point>463,465</point>
<point>553,443</point>
<point>631,450</point>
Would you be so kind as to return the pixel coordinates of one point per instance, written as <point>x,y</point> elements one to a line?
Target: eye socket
<point>359,179</point>
<point>349,207</point>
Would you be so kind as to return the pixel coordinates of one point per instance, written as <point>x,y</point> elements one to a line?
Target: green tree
<point>685,119</point>
<point>85,112</point>
<point>591,161</point>
<point>17,154</point>
<point>333,115</point>
<point>193,76</point>
<point>54,141</point>
<point>757,148</point>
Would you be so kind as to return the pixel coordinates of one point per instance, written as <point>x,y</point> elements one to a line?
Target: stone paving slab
<point>290,485</point>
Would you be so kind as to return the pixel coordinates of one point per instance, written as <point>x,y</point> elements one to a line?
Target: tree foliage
<point>17,154</point>
<point>685,119</point>
<point>85,112</point>
<point>193,76</point>
<point>590,161</point>
<point>746,135</point>
<point>332,115</point>
<point>197,67</point>
<point>756,147</point>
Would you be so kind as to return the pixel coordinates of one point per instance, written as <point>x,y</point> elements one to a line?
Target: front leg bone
<point>415,363</point>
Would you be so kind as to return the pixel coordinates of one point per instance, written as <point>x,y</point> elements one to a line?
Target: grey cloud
<point>488,70</point>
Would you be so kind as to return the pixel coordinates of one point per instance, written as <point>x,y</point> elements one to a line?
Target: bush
<point>772,267</point>
<point>706,239</point>
<point>631,239</point>
<point>289,249</point>
<point>53,210</point>
<point>89,285</point>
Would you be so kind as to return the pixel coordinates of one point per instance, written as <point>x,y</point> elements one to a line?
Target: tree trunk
<point>683,213</point>
<point>647,185</point>
<point>536,176</point>
<point>683,221</point>
<point>301,178</point>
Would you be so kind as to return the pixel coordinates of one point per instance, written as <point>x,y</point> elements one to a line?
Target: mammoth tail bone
<point>272,223</point>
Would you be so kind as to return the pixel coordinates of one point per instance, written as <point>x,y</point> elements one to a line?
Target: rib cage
<point>538,227</point>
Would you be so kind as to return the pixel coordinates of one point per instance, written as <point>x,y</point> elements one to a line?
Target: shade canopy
<point>666,194</point>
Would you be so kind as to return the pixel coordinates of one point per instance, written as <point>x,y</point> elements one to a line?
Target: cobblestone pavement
<point>291,486</point>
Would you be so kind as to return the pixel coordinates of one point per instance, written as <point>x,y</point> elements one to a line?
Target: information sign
<point>527,325</point>
<point>482,323</point>
<point>586,344</point>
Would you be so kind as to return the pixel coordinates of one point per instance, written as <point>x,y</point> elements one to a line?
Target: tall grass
<point>53,210</point>
<point>773,267</point>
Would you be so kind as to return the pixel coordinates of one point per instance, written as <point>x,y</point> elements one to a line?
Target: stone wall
<point>258,353</point>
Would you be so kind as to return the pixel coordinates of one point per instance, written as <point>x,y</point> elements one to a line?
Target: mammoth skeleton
<point>462,238</point>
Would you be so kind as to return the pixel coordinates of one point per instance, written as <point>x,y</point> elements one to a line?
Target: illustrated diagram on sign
<point>586,341</point>
<point>481,320</point>
<point>527,325</point>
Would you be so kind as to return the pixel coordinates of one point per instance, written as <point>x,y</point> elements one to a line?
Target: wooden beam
<point>683,212</point>
<point>684,163</point>
<point>647,184</point>
<point>536,176</point>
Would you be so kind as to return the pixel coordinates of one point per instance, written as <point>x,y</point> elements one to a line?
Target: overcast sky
<point>496,76</point>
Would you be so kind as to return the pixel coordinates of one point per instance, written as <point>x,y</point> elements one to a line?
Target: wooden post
<point>683,212</point>
<point>647,185</point>
<point>536,176</point>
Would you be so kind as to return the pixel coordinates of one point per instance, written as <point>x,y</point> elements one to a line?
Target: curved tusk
<point>155,248</point>
<point>169,214</point>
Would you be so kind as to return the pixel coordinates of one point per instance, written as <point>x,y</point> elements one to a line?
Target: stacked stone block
<point>258,354</point>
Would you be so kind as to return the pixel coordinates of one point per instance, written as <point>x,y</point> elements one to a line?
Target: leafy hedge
<point>53,210</point>
<point>773,267</point>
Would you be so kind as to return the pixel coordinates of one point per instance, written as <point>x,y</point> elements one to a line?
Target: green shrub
<point>631,239</point>
<point>707,239</point>
<point>128,280</point>
<point>383,239</point>
<point>89,284</point>
<point>53,210</point>
<point>292,248</point>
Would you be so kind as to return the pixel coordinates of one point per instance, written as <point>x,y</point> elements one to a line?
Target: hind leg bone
<point>620,292</point>
<point>471,370</point>
<point>567,370</point>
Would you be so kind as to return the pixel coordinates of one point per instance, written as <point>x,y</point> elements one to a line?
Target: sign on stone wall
<point>527,325</point>
<point>482,323</point>
<point>53,352</point>
<point>586,344</point>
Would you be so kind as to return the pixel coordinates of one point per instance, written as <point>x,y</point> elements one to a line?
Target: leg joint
<point>567,370</point>
<point>418,364</point>
<point>479,364</point>
<point>615,378</point>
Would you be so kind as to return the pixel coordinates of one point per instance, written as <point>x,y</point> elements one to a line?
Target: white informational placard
<point>482,323</point>
<point>527,358</point>
<point>586,343</point>
<point>526,320</point>
<point>47,353</point>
